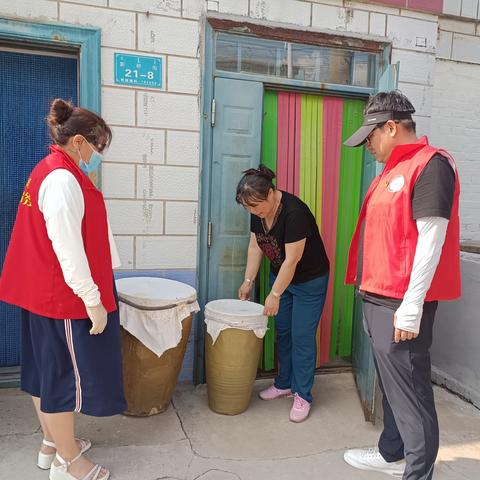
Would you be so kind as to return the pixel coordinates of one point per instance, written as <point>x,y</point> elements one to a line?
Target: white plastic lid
<point>154,292</point>
<point>232,308</point>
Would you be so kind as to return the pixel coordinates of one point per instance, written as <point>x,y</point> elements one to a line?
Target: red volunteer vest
<point>31,276</point>
<point>390,234</point>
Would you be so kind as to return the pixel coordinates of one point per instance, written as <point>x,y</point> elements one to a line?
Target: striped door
<point>302,140</point>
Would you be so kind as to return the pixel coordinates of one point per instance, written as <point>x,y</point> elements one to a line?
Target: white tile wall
<point>420,15</point>
<point>466,48</point>
<point>41,9</point>
<point>137,145</point>
<point>452,7</point>
<point>235,7</point>
<point>182,148</point>
<point>338,18</point>
<point>378,24</point>
<point>372,7</point>
<point>183,75</point>
<point>163,110</point>
<point>97,3</point>
<point>336,3</point>
<point>423,125</point>
<point>125,247</point>
<point>118,106</point>
<point>118,27</point>
<point>459,26</point>
<point>117,180</point>
<point>415,67</point>
<point>288,11</point>
<point>412,34</point>
<point>160,7</point>
<point>167,182</point>
<point>193,8</point>
<point>469,8</point>
<point>168,35</point>
<point>420,96</point>
<point>158,252</point>
<point>444,46</point>
<point>137,217</point>
<point>455,126</point>
<point>181,218</point>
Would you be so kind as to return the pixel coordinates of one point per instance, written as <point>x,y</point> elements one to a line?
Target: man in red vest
<point>404,258</point>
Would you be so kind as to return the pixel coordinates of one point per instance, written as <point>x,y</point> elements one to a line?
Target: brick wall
<point>455,126</point>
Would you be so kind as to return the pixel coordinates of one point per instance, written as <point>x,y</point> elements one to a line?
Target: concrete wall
<point>456,352</point>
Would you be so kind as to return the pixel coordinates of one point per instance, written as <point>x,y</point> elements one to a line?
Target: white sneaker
<point>371,459</point>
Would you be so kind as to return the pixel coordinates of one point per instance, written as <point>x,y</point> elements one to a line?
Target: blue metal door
<point>28,81</point>
<point>362,357</point>
<point>237,135</point>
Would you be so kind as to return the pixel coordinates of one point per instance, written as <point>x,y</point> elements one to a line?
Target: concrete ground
<point>189,442</point>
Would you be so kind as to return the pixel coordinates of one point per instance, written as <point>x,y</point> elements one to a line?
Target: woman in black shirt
<point>285,230</point>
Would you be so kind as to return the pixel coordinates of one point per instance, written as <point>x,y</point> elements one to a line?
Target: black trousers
<point>410,420</point>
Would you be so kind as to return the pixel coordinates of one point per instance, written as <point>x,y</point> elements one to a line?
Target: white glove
<point>98,316</point>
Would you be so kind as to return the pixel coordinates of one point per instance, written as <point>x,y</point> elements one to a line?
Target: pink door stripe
<point>283,140</point>
<point>332,132</point>
<point>298,126</point>
<point>288,153</point>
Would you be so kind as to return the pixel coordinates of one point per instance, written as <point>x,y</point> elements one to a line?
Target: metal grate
<point>27,84</point>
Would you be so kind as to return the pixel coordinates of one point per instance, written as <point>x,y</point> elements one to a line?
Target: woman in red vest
<point>58,269</point>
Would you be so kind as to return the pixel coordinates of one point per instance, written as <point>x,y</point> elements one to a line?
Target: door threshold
<point>338,366</point>
<point>9,377</point>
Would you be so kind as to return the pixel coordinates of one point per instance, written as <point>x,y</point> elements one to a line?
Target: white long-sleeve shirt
<point>431,237</point>
<point>60,199</point>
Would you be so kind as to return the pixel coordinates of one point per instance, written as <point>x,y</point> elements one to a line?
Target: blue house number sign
<point>137,70</point>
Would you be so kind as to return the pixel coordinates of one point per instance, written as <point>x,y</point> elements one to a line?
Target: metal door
<point>236,147</point>
<point>28,80</point>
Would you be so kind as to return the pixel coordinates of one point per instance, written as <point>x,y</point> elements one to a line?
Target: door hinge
<point>213,112</point>
<point>209,235</point>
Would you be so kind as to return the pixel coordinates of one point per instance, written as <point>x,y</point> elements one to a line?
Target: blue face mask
<point>93,164</point>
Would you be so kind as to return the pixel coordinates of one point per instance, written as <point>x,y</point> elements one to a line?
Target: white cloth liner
<point>231,313</point>
<point>169,302</point>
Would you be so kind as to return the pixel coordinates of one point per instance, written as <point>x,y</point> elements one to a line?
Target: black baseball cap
<point>370,122</point>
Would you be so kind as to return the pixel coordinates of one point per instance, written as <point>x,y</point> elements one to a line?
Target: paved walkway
<point>189,442</point>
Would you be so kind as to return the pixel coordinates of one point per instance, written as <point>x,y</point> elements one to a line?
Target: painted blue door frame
<point>206,151</point>
<point>84,43</point>
<point>29,80</point>
<point>86,40</point>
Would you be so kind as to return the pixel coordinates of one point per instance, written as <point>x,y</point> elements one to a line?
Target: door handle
<point>209,235</point>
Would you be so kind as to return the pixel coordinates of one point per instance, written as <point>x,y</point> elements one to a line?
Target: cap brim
<point>360,136</point>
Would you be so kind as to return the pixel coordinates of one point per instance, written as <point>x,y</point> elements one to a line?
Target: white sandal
<point>45,459</point>
<point>60,472</point>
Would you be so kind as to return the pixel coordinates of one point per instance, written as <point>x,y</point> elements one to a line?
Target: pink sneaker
<point>300,409</point>
<point>272,392</point>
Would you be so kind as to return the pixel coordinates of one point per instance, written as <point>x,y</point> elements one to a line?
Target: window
<point>242,54</point>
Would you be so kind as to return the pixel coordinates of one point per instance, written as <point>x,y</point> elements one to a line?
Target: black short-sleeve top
<point>294,222</point>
